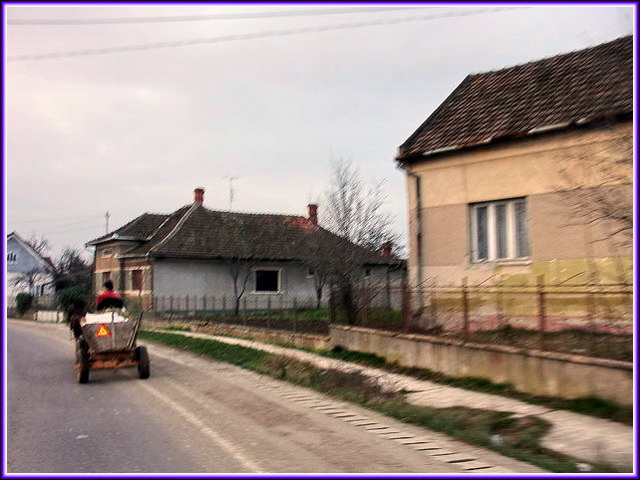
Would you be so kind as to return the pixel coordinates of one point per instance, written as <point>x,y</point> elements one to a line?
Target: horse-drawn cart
<point>108,341</point>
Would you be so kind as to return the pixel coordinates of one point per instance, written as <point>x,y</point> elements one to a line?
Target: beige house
<point>527,171</point>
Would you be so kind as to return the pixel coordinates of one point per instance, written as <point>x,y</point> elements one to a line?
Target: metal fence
<point>591,319</point>
<point>224,304</point>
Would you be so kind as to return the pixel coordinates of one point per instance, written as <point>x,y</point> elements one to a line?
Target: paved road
<point>198,416</point>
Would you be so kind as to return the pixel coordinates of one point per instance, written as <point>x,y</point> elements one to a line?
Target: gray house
<point>27,271</point>
<point>197,258</point>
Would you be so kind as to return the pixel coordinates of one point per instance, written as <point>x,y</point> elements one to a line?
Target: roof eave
<point>113,238</point>
<point>405,158</point>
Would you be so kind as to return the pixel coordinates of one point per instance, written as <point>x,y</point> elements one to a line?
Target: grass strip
<point>518,438</point>
<point>590,405</point>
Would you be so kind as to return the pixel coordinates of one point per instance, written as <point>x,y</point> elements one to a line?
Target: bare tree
<point>317,252</point>
<point>34,276</point>
<point>39,245</point>
<point>252,237</point>
<point>29,279</point>
<point>598,188</point>
<point>354,212</point>
<point>72,270</point>
<point>354,209</point>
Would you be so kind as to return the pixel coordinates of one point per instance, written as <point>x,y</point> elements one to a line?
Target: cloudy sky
<point>257,93</point>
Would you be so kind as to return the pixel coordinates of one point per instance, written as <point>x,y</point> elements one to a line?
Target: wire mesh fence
<point>588,319</point>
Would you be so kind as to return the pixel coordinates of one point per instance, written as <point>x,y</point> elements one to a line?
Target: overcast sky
<point>136,131</point>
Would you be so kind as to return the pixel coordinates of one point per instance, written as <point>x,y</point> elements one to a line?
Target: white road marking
<point>196,422</point>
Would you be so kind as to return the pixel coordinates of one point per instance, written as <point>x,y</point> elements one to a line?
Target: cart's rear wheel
<point>82,361</point>
<point>143,362</point>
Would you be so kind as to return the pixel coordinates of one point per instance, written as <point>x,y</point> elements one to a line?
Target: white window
<point>499,230</point>
<point>266,280</point>
<point>12,257</point>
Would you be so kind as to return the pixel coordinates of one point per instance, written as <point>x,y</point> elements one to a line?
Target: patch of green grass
<point>594,406</point>
<point>518,437</point>
<point>350,356</point>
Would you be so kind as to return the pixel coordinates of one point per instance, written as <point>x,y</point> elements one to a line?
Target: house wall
<point>538,169</point>
<point>179,278</point>
<point>26,261</point>
<point>211,278</point>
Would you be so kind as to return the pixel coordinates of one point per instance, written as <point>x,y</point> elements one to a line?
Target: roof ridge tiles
<point>580,50</point>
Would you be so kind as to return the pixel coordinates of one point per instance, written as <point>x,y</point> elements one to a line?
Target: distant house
<point>27,271</point>
<point>500,175</point>
<point>196,257</point>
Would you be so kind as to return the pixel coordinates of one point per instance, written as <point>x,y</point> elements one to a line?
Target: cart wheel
<point>143,362</point>
<point>82,362</point>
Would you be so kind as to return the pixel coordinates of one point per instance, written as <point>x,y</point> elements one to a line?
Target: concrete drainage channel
<point>420,443</point>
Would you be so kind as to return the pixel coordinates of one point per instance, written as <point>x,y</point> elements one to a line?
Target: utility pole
<point>106,218</point>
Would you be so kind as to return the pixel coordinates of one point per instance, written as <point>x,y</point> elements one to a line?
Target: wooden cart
<point>110,345</point>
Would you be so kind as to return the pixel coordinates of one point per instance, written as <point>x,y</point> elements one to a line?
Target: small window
<point>499,230</point>
<point>311,272</point>
<point>136,279</point>
<point>107,252</point>
<point>106,276</point>
<point>12,257</point>
<point>367,272</point>
<point>267,281</point>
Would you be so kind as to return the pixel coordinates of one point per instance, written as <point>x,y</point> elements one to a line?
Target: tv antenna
<point>231,179</point>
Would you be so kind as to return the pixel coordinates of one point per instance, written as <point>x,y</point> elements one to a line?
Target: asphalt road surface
<point>195,415</point>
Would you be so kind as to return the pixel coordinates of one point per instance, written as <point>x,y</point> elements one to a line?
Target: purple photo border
<point>3,455</point>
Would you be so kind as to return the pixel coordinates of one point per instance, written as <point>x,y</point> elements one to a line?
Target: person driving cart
<point>108,298</point>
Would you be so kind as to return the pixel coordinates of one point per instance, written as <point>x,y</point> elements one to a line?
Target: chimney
<point>198,195</point>
<point>313,213</point>
<point>386,249</point>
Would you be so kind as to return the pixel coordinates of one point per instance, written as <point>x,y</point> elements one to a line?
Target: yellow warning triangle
<point>103,331</point>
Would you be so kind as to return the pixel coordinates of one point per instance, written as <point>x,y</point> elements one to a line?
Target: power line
<point>66,220</point>
<point>250,36</point>
<point>200,18</point>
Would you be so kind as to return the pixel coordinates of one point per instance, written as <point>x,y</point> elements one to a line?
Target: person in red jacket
<point>108,298</point>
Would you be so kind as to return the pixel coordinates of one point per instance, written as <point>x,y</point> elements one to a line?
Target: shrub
<point>23,302</point>
<point>67,296</point>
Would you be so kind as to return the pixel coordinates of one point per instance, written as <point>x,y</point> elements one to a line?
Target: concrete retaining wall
<point>259,334</point>
<point>533,372</point>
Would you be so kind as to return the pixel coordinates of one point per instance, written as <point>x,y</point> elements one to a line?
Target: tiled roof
<point>197,232</point>
<point>557,92</point>
<point>140,228</point>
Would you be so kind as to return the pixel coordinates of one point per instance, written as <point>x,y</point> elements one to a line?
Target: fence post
<point>186,304</point>
<point>465,310</point>
<point>591,315</point>
<point>171,303</point>
<point>542,313</point>
<point>269,312</point>
<point>224,303</point>
<point>365,308</point>
<point>332,307</point>
<point>295,309</point>
<point>499,306</point>
<point>406,306</point>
